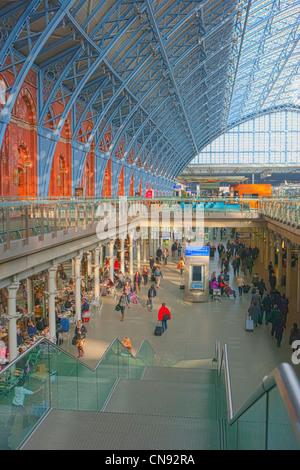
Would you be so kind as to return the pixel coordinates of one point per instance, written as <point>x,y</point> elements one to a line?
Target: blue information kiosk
<point>196,273</point>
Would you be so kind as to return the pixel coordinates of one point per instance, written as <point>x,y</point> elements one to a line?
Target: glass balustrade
<point>270,418</point>
<point>22,219</point>
<point>47,377</point>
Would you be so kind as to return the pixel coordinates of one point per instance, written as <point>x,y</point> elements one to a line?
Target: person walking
<point>174,248</point>
<point>279,329</point>
<point>240,282</point>
<point>266,307</point>
<point>164,315</point>
<point>261,287</point>
<point>127,292</point>
<point>122,304</point>
<point>255,297</point>
<point>181,265</point>
<point>254,312</point>
<point>165,256</point>
<point>284,307</point>
<point>145,275</point>
<point>151,296</point>
<point>274,315</point>
<point>158,254</point>
<point>273,281</point>
<point>179,248</point>
<point>80,335</point>
<point>137,282</point>
<point>151,262</point>
<point>157,275</point>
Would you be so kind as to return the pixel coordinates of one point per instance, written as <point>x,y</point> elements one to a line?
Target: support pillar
<point>261,245</point>
<point>266,249</point>
<point>272,249</point>
<point>77,269</point>
<point>122,256</point>
<point>298,282</point>
<point>279,271</point>
<point>138,254</point>
<point>96,272</point>
<point>131,255</point>
<point>111,259</point>
<point>30,307</point>
<point>89,263</point>
<point>51,300</point>
<point>288,269</point>
<point>12,320</point>
<point>144,250</point>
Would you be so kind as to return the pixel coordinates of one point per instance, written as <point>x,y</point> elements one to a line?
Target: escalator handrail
<point>222,356</point>
<point>283,377</point>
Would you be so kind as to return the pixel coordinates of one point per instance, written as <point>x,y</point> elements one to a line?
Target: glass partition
<point>280,435</point>
<point>47,377</point>
<point>263,423</point>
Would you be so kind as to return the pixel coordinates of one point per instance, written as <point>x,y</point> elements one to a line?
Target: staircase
<point>167,408</point>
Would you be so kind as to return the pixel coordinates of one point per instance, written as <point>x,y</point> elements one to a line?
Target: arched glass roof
<point>266,140</point>
<point>162,78</point>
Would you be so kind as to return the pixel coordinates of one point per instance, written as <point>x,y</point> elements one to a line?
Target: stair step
<point>177,374</point>
<point>122,431</point>
<point>169,398</point>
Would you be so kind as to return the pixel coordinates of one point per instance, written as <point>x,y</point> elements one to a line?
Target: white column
<point>288,269</point>
<point>73,267</point>
<point>30,307</point>
<point>111,259</point>
<point>298,282</point>
<point>138,254</point>
<point>12,320</point>
<point>272,250</point>
<point>77,269</point>
<point>279,272</point>
<point>96,272</point>
<point>122,256</point>
<point>131,255</point>
<point>261,245</point>
<point>89,263</point>
<point>51,300</point>
<point>144,250</point>
<point>266,249</point>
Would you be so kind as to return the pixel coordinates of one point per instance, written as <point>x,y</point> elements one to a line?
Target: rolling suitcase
<point>249,324</point>
<point>158,330</point>
<point>246,288</point>
<point>64,324</point>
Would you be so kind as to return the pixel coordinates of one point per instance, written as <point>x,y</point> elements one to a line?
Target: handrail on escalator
<point>282,376</point>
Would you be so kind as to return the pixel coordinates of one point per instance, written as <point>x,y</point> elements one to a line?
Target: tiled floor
<point>193,331</point>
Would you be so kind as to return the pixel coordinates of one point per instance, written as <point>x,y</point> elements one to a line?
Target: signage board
<point>149,194</point>
<point>243,235</point>
<point>196,251</point>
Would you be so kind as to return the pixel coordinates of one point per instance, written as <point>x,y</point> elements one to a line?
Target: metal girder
<point>152,19</point>
<point>35,41</point>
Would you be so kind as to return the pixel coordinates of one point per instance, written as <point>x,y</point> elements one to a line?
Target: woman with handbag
<point>164,315</point>
<point>80,334</point>
<point>137,282</point>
